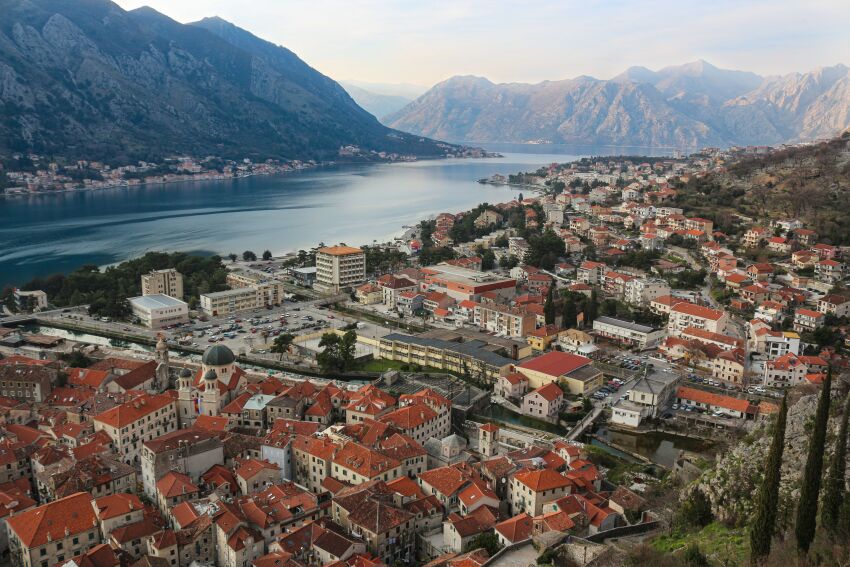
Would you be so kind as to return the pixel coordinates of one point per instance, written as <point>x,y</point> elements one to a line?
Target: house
<point>760,272</point>
<point>829,271</point>
<point>545,402</point>
<point>834,304</point>
<point>792,370</point>
<point>531,489</point>
<point>514,530</point>
<point>130,424</point>
<point>754,237</point>
<point>512,385</point>
<point>729,366</point>
<point>806,320</point>
<point>591,273</point>
<point>541,338</point>
<point>368,294</point>
<point>779,244</point>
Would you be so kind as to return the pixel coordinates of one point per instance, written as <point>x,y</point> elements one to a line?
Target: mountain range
<point>376,103</point>
<point>87,79</point>
<point>685,106</point>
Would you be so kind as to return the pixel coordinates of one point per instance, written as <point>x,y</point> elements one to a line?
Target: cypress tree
<point>549,306</point>
<point>568,313</point>
<point>767,498</point>
<point>834,488</point>
<point>807,509</point>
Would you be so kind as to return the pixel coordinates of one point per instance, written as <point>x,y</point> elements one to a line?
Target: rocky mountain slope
<point>87,79</point>
<point>684,106</point>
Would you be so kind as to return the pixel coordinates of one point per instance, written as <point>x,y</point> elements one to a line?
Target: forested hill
<point>87,79</point>
<point>810,183</point>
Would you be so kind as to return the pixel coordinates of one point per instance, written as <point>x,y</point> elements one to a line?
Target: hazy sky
<point>426,41</point>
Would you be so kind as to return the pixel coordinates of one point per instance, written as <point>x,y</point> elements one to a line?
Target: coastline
<point>277,170</point>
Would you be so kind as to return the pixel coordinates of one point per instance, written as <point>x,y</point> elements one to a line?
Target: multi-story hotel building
<point>338,267</point>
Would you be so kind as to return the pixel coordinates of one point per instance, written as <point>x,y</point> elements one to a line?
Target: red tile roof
<point>123,415</point>
<point>72,515</point>
<point>556,363</point>
<point>543,479</point>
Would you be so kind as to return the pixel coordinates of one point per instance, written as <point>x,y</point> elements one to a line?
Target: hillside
<point>686,106</point>
<point>86,79</point>
<point>810,183</point>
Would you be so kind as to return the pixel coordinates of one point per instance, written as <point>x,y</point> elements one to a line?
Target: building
<point>685,314</point>
<point>627,332</point>
<point>54,532</point>
<point>734,407</point>
<point>30,301</point>
<point>130,424</point>
<point>834,304</point>
<point>256,294</point>
<point>27,382</point>
<point>472,356</point>
<point>189,451</point>
<point>575,371</point>
<point>806,320</point>
<point>339,267</point>
<point>504,320</point>
<point>531,489</point>
<point>305,276</point>
<point>163,282</point>
<point>641,291</point>
<point>545,402</point>
<point>462,283</point>
<point>158,311</point>
<point>729,366</point>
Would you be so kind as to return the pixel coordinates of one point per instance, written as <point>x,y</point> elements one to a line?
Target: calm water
<point>41,235</point>
<point>660,448</point>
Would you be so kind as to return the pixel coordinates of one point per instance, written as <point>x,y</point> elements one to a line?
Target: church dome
<point>218,355</point>
<point>185,373</point>
<point>211,375</point>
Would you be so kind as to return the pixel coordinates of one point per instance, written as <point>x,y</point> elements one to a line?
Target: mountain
<point>405,90</point>
<point>377,104</point>
<point>683,106</point>
<point>87,79</point>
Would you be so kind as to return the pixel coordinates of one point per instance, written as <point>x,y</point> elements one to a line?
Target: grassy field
<point>722,545</point>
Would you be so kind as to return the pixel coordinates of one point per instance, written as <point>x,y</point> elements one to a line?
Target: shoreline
<point>125,184</point>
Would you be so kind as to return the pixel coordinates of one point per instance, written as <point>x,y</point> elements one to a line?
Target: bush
<point>695,510</point>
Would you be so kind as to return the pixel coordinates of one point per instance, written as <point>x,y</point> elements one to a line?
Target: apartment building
<point>807,320</point>
<point>685,314</point>
<point>163,282</point>
<point>544,402</point>
<point>132,423</point>
<point>27,382</point>
<point>504,320</point>
<point>54,532</point>
<point>641,291</point>
<point>464,284</point>
<point>627,332</point>
<point>160,310</point>
<point>339,267</point>
<point>591,273</point>
<point>470,356</point>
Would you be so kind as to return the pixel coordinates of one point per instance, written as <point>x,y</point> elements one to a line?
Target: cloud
<point>395,41</point>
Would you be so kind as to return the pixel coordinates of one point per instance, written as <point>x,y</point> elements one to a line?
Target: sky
<point>423,42</point>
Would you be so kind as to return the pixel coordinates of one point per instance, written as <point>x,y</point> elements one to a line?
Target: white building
<point>641,291</point>
<point>157,311</point>
<point>35,300</point>
<point>338,267</point>
<point>627,332</point>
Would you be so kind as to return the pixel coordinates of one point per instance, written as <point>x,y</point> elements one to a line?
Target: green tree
<point>487,540</point>
<point>591,308</point>
<point>249,256</point>
<point>281,343</point>
<point>549,305</point>
<point>568,313</point>
<point>834,489</point>
<point>232,257</point>
<point>693,557</point>
<point>267,255</point>
<point>767,497</point>
<point>338,352</point>
<point>488,260</point>
<point>695,510</point>
<point>807,509</point>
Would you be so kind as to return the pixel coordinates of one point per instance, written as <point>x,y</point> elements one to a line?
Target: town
<point>454,397</point>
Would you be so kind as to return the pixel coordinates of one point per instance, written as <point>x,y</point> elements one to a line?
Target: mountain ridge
<point>85,79</point>
<point>686,106</point>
